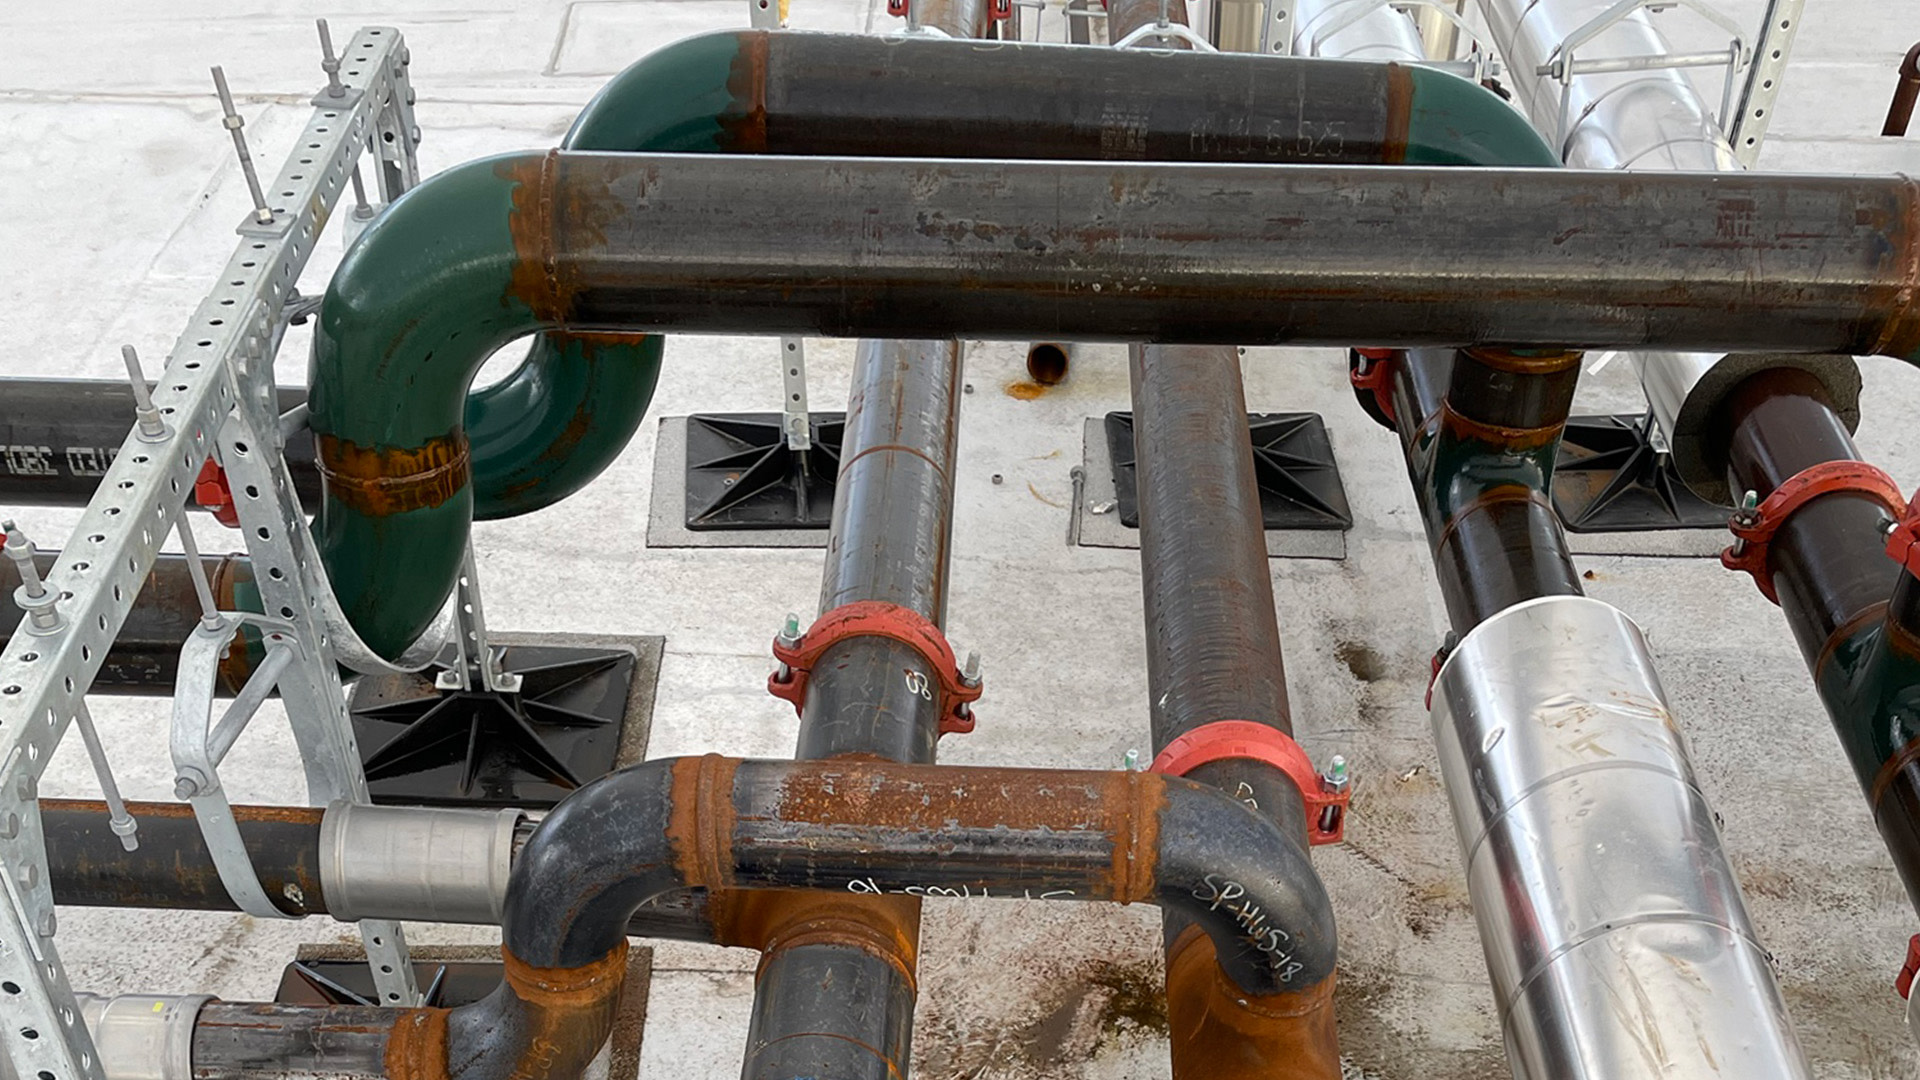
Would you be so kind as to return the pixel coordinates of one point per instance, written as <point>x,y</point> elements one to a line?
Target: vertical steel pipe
<point>1855,614</point>
<point>1213,654</point>
<point>1614,930</point>
<point>836,985</point>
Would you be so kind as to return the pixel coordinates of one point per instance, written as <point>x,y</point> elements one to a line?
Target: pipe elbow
<point>426,295</point>
<point>1249,885</point>
<point>1455,121</point>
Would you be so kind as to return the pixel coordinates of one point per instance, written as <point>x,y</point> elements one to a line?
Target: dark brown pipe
<point>1900,110</point>
<point>1480,428</point>
<point>171,869</point>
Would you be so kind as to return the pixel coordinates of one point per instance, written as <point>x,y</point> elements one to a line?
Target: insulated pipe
<point>835,991</point>
<point>1213,654</point>
<point>1852,610</point>
<point>1383,33</point>
<point>1652,119</point>
<point>1613,925</point>
<point>145,657</point>
<point>494,249</point>
<point>1593,862</point>
<point>721,823</point>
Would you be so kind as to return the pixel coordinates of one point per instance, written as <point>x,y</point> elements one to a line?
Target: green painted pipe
<point>425,296</point>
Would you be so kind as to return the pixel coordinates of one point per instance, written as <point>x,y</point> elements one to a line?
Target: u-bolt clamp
<point>1753,526</point>
<point>1325,796</point>
<point>957,689</point>
<point>1903,537</point>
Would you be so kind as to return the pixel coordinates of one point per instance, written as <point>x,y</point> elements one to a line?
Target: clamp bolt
<point>1335,780</point>
<point>787,638</point>
<point>970,671</point>
<point>1747,516</point>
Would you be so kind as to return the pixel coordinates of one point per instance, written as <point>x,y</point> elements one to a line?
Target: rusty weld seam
<point>417,1045</point>
<point>1901,333</point>
<point>380,483</point>
<point>1393,143</point>
<point>714,820</point>
<point>1137,866</point>
<point>1891,770</point>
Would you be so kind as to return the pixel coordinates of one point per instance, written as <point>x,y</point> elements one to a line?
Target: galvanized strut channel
<point>217,387</point>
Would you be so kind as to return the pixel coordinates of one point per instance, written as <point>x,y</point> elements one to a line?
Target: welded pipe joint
<point>410,862</point>
<point>1615,933</point>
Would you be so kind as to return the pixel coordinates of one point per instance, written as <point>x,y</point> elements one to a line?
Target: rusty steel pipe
<point>865,827</point>
<point>1213,654</point>
<point>839,1000</point>
<point>1387,256</point>
<point>1905,93</point>
<point>145,657</point>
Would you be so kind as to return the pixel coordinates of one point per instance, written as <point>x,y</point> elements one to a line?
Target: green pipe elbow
<point>1456,121</point>
<point>414,310</point>
<point>565,414</point>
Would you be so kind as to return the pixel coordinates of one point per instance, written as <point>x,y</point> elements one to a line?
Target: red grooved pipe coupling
<point>1224,739</point>
<point>210,490</point>
<point>1754,529</point>
<point>874,618</point>
<point>1903,541</point>
<point>1903,982</point>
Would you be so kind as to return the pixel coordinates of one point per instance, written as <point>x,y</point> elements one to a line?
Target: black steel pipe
<point>57,437</point>
<point>842,1005</point>
<point>859,826</point>
<point>145,657</point>
<point>1854,613</point>
<point>1213,654</point>
<point>1198,253</point>
<point>1905,93</point>
<point>1480,429</point>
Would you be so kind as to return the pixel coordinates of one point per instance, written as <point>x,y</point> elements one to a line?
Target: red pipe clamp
<point>874,618</point>
<point>211,491</point>
<point>1754,529</point>
<point>1222,739</point>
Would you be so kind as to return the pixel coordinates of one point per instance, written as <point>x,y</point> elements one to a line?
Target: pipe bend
<point>1249,885</point>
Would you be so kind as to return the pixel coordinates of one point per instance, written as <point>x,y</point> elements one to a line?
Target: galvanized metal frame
<point>217,390</point>
<point>1749,125</point>
<point>1563,66</point>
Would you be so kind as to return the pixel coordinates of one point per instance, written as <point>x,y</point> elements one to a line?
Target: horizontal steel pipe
<point>57,437</point>
<point>145,657</point>
<point>759,92</point>
<point>416,864</point>
<point>862,827</point>
<point>1188,253</point>
<point>498,248</point>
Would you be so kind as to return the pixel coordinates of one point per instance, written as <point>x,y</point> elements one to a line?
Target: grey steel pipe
<point>1384,256</point>
<point>1618,942</point>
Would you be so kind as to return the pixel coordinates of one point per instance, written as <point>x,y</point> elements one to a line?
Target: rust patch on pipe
<point>700,825</point>
<point>1220,1032</point>
<point>1902,335</point>
<point>569,1012</point>
<point>534,278</point>
<point>774,920</point>
<point>1467,429</point>
<point>417,1045</point>
<point>1393,148</point>
<point>381,483</point>
<point>745,129</point>
<point>1529,362</point>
